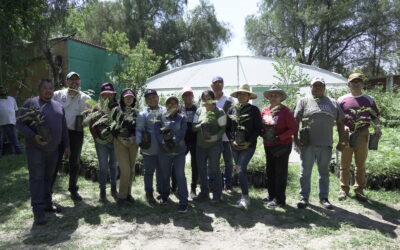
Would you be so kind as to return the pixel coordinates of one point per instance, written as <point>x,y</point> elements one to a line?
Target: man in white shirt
<point>8,107</point>
<point>74,103</point>
<point>224,102</point>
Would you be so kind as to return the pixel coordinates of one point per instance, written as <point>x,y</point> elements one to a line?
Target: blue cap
<point>149,92</point>
<point>217,78</point>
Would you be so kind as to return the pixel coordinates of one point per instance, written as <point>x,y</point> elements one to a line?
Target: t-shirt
<point>319,114</point>
<point>7,111</point>
<point>358,109</point>
<point>73,105</point>
<point>222,104</point>
<point>189,113</point>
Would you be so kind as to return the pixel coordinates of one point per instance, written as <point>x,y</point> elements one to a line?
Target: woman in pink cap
<point>123,128</point>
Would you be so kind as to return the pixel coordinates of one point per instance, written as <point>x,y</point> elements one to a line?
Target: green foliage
<point>388,105</point>
<point>241,115</point>
<point>288,72</point>
<point>136,64</point>
<point>31,116</point>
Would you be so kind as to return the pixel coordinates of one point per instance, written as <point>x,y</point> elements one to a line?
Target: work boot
<point>103,197</point>
<point>75,196</point>
<point>39,219</point>
<point>114,192</point>
<point>150,198</point>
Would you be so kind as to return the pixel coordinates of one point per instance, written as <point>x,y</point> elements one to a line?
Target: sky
<point>233,12</point>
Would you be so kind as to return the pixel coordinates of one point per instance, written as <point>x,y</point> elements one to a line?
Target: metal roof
<point>235,70</point>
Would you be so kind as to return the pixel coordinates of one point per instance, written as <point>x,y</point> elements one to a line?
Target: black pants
<point>195,174</point>
<point>75,143</point>
<point>277,171</point>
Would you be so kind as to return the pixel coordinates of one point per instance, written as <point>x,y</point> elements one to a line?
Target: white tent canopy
<point>235,70</point>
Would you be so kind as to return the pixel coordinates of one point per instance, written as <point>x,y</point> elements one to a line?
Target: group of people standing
<point>226,126</point>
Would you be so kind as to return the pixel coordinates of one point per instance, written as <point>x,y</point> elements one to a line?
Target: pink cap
<point>186,90</point>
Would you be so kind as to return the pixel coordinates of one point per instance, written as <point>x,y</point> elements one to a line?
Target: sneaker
<point>53,208</point>
<point>326,204</point>
<point>229,189</point>
<point>182,209</point>
<point>201,197</point>
<point>274,203</point>
<point>342,196</point>
<point>267,199</point>
<point>243,203</point>
<point>303,203</point>
<point>75,196</point>
<point>361,196</point>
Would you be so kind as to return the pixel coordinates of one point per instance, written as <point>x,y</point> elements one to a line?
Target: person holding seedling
<point>42,122</point>
<point>170,130</point>
<point>74,103</point>
<point>360,112</point>
<point>99,121</point>
<point>209,123</point>
<point>242,130</point>
<point>278,128</point>
<point>123,127</point>
<point>317,115</point>
<point>147,141</point>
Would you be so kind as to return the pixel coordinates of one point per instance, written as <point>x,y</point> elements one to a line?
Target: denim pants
<point>277,171</point>
<point>151,164</point>
<point>228,161</point>
<point>308,155</point>
<point>177,162</point>
<point>105,153</point>
<point>75,145</point>
<point>9,131</point>
<point>242,159</point>
<point>212,155</point>
<point>41,167</point>
<point>191,148</point>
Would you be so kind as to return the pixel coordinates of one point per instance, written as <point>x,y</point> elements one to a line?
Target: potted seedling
<point>240,116</point>
<point>361,121</point>
<point>32,116</point>
<point>269,125</point>
<point>123,124</point>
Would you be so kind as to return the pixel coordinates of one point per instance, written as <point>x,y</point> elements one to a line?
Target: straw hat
<point>275,89</point>
<point>246,89</point>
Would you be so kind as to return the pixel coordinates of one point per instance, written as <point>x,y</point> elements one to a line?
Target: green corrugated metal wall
<point>91,63</point>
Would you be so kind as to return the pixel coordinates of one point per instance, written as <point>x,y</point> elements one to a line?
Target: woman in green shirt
<point>209,123</point>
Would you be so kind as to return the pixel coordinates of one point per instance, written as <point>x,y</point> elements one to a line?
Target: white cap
<point>318,79</point>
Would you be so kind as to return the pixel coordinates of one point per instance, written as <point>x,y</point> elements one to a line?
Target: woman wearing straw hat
<point>278,128</point>
<point>243,129</point>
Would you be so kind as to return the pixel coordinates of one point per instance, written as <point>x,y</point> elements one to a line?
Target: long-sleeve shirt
<point>145,122</point>
<point>177,124</point>
<point>284,122</point>
<point>216,124</point>
<point>251,122</point>
<point>54,119</point>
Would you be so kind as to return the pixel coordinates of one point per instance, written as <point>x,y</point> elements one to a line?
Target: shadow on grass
<point>388,213</point>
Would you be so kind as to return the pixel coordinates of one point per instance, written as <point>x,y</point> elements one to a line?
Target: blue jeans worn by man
<point>151,165</point>
<point>9,131</point>
<point>322,156</point>
<point>212,156</point>
<point>105,153</point>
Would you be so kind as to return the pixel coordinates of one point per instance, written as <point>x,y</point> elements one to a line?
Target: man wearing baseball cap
<point>147,141</point>
<point>360,110</point>
<point>317,115</point>
<point>224,102</point>
<point>74,103</point>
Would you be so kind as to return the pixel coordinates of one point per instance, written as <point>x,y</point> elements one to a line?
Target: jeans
<point>277,172</point>
<point>177,162</point>
<point>228,161</point>
<point>9,131</point>
<point>212,155</point>
<point>75,145</point>
<point>242,159</point>
<point>308,155</point>
<point>151,164</point>
<point>105,153</point>
<point>41,167</point>
<point>193,163</point>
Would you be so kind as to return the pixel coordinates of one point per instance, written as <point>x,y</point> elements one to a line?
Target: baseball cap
<point>107,87</point>
<point>70,74</point>
<point>354,76</point>
<point>186,90</point>
<point>128,92</point>
<point>318,79</point>
<point>217,78</point>
<point>149,92</point>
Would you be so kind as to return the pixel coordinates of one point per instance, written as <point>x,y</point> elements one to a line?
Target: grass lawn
<point>90,224</point>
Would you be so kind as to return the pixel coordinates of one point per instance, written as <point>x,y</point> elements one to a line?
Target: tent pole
<point>237,71</point>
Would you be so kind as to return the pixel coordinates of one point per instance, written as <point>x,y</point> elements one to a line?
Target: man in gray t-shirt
<point>317,116</point>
